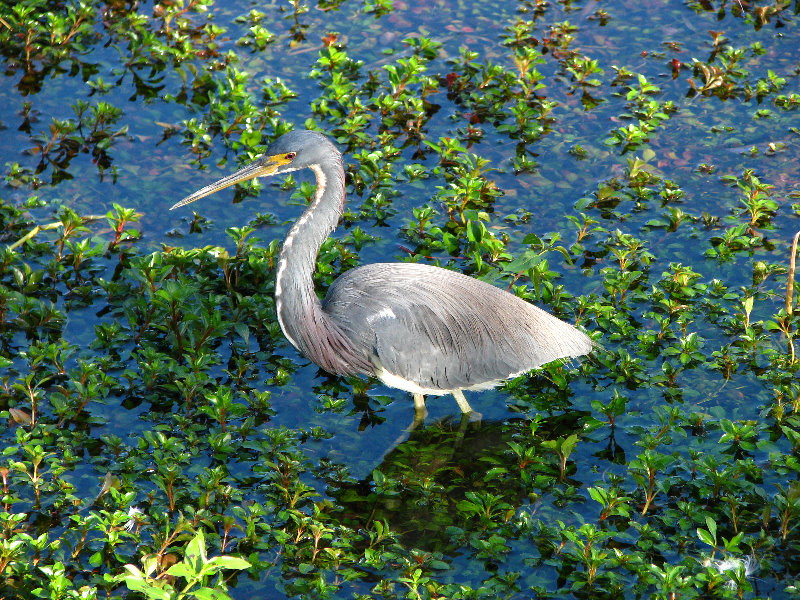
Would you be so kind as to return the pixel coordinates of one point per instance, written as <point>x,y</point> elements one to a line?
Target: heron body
<point>416,327</point>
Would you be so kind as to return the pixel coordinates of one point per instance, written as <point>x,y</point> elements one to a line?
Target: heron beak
<point>263,167</point>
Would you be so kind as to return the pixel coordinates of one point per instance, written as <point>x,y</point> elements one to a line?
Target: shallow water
<point>152,166</point>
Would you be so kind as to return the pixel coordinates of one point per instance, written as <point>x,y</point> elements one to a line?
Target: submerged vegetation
<point>630,168</point>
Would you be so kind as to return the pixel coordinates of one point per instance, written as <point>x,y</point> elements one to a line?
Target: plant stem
<point>790,278</point>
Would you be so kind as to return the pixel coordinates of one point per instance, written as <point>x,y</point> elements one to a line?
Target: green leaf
<point>305,568</point>
<point>733,544</point>
<point>599,495</point>
<point>569,444</point>
<point>705,537</point>
<point>229,562</point>
<point>210,594</point>
<point>251,138</point>
<point>243,330</point>
<point>140,585</point>
<point>528,260</point>
<point>494,472</point>
<point>180,570</point>
<point>712,527</point>
<point>195,556</point>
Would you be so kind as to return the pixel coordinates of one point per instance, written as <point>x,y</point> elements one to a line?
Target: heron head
<point>292,151</point>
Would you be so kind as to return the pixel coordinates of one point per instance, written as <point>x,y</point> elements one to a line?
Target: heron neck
<point>299,310</point>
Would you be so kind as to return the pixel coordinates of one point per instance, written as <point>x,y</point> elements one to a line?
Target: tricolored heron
<point>416,327</point>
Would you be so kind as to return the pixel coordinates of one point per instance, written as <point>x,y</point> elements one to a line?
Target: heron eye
<point>290,156</point>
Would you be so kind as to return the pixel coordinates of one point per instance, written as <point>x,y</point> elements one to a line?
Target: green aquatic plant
<point>196,570</point>
<point>149,397</point>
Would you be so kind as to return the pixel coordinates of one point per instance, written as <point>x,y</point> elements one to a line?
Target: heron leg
<point>420,411</point>
<point>466,409</point>
<point>462,402</point>
<point>463,425</point>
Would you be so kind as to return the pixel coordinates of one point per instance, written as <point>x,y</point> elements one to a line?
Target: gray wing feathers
<point>444,330</point>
